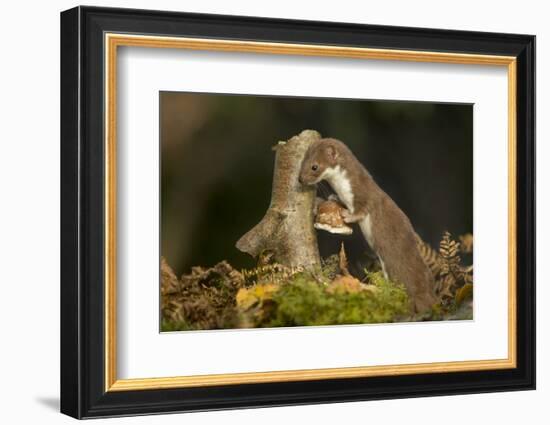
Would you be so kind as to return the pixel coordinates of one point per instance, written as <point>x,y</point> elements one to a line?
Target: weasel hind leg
<point>384,272</point>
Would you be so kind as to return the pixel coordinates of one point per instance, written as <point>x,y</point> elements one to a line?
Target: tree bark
<point>287,228</point>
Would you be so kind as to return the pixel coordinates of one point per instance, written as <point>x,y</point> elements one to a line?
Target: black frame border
<point>82,212</point>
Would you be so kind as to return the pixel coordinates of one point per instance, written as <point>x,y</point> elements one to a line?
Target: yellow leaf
<point>265,291</point>
<point>245,299</point>
<point>258,294</point>
<point>465,292</point>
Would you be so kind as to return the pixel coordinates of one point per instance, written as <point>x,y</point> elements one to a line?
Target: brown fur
<point>392,235</point>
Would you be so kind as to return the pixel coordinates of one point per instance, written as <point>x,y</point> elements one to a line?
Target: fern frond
<point>449,252</point>
<point>445,265</point>
<point>429,255</point>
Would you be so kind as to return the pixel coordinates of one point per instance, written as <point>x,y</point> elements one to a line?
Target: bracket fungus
<point>329,218</point>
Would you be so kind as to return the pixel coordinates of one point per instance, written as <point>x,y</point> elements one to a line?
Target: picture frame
<point>90,40</point>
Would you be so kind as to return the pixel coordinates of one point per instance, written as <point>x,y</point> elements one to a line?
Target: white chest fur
<point>339,181</point>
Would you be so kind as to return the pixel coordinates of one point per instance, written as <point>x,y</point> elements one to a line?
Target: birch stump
<point>287,229</point>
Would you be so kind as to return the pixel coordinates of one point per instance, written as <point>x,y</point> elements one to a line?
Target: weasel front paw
<point>349,218</point>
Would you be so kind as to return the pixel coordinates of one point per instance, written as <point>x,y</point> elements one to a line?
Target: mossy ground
<point>273,295</point>
<point>279,297</point>
<point>305,302</point>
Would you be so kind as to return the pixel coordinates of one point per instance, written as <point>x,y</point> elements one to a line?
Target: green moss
<point>305,302</point>
<point>170,326</point>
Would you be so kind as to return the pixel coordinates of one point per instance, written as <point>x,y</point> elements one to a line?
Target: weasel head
<point>320,156</point>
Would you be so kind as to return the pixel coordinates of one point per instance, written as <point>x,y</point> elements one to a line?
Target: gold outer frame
<point>113,41</point>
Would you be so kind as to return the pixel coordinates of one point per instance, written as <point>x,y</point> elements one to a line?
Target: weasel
<point>386,228</point>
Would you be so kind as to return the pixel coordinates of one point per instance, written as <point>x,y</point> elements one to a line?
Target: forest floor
<point>272,295</point>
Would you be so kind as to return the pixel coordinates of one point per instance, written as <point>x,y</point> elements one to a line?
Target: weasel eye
<point>314,167</point>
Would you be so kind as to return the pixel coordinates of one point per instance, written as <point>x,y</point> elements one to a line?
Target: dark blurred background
<point>217,165</point>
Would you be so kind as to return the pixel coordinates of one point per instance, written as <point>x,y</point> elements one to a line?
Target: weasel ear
<point>331,152</point>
